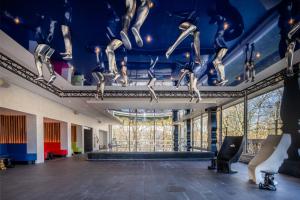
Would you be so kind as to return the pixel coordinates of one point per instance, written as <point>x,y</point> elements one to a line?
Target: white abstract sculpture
<point>270,157</point>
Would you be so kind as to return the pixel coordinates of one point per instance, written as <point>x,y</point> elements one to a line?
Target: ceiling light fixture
<point>17,20</point>
<point>225,26</point>
<point>257,55</point>
<point>148,38</point>
<point>97,49</point>
<point>291,21</point>
<point>187,55</point>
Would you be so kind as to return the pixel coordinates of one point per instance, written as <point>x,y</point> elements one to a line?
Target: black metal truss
<point>271,80</point>
<point>23,72</point>
<point>14,67</point>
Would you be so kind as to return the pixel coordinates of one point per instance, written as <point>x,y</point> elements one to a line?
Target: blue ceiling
<point>90,19</point>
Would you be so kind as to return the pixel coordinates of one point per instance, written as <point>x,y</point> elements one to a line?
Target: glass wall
<point>197,132</point>
<point>233,120</point>
<point>142,131</point>
<point>263,118</point>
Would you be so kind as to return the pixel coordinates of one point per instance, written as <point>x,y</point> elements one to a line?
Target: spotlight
<point>238,78</point>
<point>291,21</point>
<point>151,5</point>
<point>215,82</point>
<point>97,49</point>
<point>148,38</point>
<point>17,20</point>
<point>225,26</point>
<point>211,71</point>
<point>123,63</point>
<point>257,55</point>
<point>187,55</point>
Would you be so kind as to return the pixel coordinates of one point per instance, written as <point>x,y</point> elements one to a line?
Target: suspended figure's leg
<point>68,43</point>
<point>182,74</point>
<point>187,28</point>
<point>252,73</point>
<point>49,65</point>
<point>152,92</point>
<point>289,58</point>
<point>142,14</point>
<point>39,54</point>
<point>110,53</point>
<point>130,11</point>
<point>190,86</point>
<point>195,89</point>
<point>99,77</point>
<point>247,72</point>
<point>219,65</point>
<point>101,85</point>
<point>125,80</point>
<point>197,47</point>
<point>291,47</point>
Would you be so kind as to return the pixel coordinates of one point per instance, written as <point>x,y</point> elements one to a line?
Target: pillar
<point>175,130</point>
<point>65,137</point>
<point>39,131</point>
<point>188,131</point>
<point>212,129</point>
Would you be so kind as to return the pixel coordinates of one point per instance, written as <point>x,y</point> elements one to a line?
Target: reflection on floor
<point>74,178</point>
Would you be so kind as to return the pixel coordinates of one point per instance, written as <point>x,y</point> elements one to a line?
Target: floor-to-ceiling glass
<point>263,118</point>
<point>143,131</point>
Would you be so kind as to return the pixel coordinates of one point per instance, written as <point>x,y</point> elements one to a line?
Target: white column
<point>39,127</point>
<point>65,137</point>
<point>31,133</point>
<point>69,140</point>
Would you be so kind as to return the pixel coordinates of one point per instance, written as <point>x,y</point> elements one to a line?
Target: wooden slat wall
<point>51,132</point>
<point>73,133</point>
<point>13,129</point>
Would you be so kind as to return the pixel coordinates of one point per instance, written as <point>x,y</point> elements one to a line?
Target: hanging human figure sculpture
<point>65,28</point>
<point>249,63</point>
<point>152,79</point>
<point>220,47</point>
<point>192,79</point>
<point>43,51</point>
<point>98,74</point>
<point>188,27</point>
<point>142,14</point>
<point>42,55</point>
<point>293,38</point>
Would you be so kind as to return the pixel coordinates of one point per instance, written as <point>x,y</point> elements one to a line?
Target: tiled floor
<point>79,179</point>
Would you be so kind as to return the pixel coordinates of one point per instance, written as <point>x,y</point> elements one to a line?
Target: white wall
<point>19,99</point>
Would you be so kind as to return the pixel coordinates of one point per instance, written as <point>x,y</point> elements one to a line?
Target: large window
<point>143,131</point>
<point>197,132</point>
<point>233,121</point>
<point>263,118</point>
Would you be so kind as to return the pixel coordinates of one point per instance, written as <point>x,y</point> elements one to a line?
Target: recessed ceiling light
<point>97,49</point>
<point>17,20</point>
<point>187,55</point>
<point>291,21</point>
<point>257,55</point>
<point>225,26</point>
<point>148,38</point>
